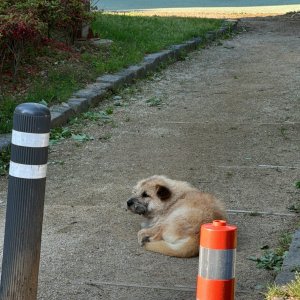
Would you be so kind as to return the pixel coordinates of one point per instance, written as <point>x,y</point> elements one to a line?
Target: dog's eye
<point>144,195</point>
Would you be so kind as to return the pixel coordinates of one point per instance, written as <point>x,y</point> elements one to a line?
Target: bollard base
<point>211,289</point>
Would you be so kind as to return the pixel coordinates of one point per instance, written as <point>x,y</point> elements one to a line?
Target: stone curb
<point>93,93</point>
<point>291,262</point>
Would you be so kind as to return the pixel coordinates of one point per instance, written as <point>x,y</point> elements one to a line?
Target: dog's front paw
<point>143,237</point>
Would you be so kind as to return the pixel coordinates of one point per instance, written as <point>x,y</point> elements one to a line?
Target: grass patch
<point>296,206</point>
<point>4,162</point>
<point>54,74</point>
<point>272,259</point>
<point>290,291</point>
<point>7,107</point>
<point>77,123</point>
<point>154,101</point>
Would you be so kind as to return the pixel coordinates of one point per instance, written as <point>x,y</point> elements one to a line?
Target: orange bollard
<point>216,277</point>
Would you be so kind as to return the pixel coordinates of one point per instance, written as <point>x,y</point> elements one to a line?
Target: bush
<point>64,16</point>
<point>75,14</point>
<point>17,31</point>
<point>24,23</point>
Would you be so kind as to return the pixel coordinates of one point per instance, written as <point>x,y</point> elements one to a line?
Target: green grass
<point>136,36</point>
<point>4,162</point>
<point>290,291</point>
<point>154,101</point>
<point>58,87</point>
<point>133,37</point>
<point>7,107</point>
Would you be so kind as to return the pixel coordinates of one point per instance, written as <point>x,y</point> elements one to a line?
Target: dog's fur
<point>174,211</point>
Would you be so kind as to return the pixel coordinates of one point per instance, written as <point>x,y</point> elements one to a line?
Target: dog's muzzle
<point>136,207</point>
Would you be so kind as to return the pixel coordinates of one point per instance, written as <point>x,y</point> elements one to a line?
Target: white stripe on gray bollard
<point>27,139</point>
<point>27,171</point>
<point>25,202</point>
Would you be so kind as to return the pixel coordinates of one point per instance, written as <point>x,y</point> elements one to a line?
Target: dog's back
<point>181,225</point>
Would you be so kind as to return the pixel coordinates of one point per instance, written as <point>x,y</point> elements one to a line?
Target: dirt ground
<point>225,119</point>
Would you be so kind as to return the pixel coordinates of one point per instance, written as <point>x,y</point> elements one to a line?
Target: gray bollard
<point>25,202</point>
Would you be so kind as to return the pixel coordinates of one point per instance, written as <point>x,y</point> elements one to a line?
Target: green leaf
<point>81,137</point>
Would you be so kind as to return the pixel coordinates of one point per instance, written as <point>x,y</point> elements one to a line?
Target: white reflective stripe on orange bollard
<point>223,266</point>
<point>216,278</point>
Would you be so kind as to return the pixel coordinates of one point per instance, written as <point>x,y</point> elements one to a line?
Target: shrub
<point>24,23</point>
<point>60,16</point>
<point>17,30</point>
<point>75,14</point>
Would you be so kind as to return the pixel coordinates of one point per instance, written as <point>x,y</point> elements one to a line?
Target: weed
<point>294,208</point>
<point>4,161</point>
<point>82,137</point>
<point>92,116</point>
<point>264,247</point>
<point>109,110</point>
<point>229,174</point>
<point>290,291</point>
<point>283,132</point>
<point>269,261</point>
<point>106,137</point>
<point>57,162</point>
<point>103,116</point>
<point>43,102</point>
<point>154,101</point>
<point>296,269</point>
<point>182,55</point>
<point>59,134</point>
<point>254,214</point>
<point>7,107</point>
<point>273,259</point>
<point>275,291</point>
<point>284,243</point>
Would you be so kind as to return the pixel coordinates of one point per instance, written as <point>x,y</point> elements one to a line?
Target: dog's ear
<point>163,193</point>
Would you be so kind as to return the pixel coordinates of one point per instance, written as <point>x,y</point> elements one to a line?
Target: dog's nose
<point>130,202</point>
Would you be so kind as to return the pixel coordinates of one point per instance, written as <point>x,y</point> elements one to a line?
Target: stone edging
<point>291,262</point>
<point>93,93</point>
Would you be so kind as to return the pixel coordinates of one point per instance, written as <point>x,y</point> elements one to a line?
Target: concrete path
<point>228,122</point>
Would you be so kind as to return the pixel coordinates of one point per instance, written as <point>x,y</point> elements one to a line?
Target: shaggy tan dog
<point>174,211</point>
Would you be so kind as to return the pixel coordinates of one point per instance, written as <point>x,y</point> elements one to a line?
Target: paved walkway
<point>228,122</point>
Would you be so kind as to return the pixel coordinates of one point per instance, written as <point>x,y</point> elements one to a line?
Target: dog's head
<point>150,196</point>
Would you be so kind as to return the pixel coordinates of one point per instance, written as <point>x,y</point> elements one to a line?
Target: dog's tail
<point>188,247</point>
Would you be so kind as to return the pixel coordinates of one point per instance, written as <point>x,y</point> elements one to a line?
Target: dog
<point>174,211</point>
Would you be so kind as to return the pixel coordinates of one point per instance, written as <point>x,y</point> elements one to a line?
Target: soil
<point>227,120</point>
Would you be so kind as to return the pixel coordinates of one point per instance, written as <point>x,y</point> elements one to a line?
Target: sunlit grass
<point>133,38</point>
<point>290,291</point>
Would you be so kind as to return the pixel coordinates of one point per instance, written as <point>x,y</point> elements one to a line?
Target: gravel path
<point>225,119</point>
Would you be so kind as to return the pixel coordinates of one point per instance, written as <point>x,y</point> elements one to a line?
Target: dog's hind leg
<point>187,247</point>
